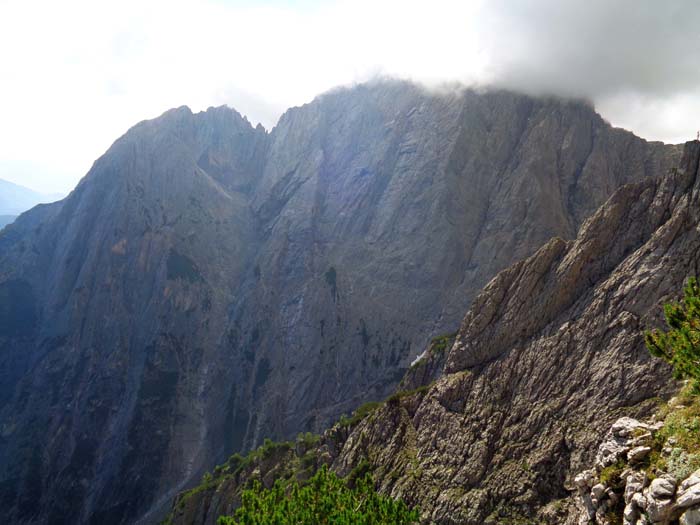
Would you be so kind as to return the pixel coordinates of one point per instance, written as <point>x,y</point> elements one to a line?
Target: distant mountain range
<point>16,199</point>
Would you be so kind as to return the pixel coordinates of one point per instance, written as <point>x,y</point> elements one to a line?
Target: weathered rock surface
<point>549,356</point>
<point>646,499</point>
<point>209,284</point>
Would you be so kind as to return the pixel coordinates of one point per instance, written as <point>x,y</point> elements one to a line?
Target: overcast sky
<point>75,75</point>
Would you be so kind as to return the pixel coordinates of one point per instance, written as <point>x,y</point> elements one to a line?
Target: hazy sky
<point>75,75</point>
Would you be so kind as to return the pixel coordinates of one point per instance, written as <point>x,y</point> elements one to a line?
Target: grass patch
<point>612,474</point>
<point>681,432</point>
<point>441,343</point>
<point>359,414</point>
<point>396,398</point>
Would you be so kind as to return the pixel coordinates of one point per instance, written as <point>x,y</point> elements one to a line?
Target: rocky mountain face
<point>548,357</point>
<point>209,284</point>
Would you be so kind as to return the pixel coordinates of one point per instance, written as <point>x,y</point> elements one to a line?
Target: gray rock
<point>597,491</point>
<point>690,517</point>
<point>639,500</point>
<point>209,284</point>
<point>638,454</point>
<point>633,484</point>
<point>625,427</point>
<point>662,488</point>
<point>584,480</point>
<point>631,514</point>
<point>659,510</point>
<point>620,441</point>
<point>545,359</point>
<point>689,497</point>
<point>691,480</point>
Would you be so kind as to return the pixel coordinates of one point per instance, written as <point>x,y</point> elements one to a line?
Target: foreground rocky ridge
<point>209,284</point>
<point>550,354</point>
<point>646,473</point>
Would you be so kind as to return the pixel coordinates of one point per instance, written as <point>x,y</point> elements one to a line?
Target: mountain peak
<point>208,284</point>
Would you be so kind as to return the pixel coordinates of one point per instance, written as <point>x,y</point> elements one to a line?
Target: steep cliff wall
<point>550,354</point>
<point>209,284</point>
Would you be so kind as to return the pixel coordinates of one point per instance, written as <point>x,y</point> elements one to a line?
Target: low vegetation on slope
<point>680,345</point>
<point>325,499</point>
<point>650,472</point>
<point>277,481</point>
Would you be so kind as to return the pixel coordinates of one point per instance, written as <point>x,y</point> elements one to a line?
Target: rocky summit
<point>209,284</point>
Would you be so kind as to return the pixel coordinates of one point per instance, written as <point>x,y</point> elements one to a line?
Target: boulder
<point>634,484</point>
<point>597,491</point>
<point>622,439</point>
<point>690,497</point>
<point>690,517</point>
<point>638,454</point>
<point>662,488</point>
<point>693,479</point>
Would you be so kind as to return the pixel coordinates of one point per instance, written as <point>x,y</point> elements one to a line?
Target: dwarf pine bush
<point>324,500</point>
<point>680,345</point>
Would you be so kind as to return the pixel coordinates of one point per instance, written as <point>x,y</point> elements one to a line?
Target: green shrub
<point>325,499</point>
<point>395,398</point>
<point>359,414</point>
<point>439,344</point>
<point>359,472</point>
<point>309,459</point>
<point>680,345</point>
<point>269,447</point>
<point>308,439</point>
<point>681,464</point>
<point>611,475</point>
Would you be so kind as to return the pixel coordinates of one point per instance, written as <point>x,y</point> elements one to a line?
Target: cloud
<point>594,48</point>
<point>637,60</point>
<point>77,74</point>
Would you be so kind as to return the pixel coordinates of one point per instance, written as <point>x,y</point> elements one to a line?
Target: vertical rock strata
<point>209,284</point>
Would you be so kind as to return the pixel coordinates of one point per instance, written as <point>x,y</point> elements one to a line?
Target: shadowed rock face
<point>209,284</point>
<point>549,355</point>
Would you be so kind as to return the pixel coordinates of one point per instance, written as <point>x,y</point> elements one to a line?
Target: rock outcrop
<point>625,487</point>
<point>548,357</point>
<point>209,284</point>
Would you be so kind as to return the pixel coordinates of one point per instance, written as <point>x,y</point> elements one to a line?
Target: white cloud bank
<point>74,75</point>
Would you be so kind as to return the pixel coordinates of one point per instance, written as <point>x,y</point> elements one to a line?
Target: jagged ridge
<point>548,356</point>
<point>209,284</point>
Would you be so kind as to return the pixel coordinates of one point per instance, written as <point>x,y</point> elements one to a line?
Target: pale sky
<point>75,75</point>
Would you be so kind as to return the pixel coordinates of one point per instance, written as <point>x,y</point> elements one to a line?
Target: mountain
<point>209,284</point>
<point>15,199</point>
<point>549,355</point>
<point>6,219</point>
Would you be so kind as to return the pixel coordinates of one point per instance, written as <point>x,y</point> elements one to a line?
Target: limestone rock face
<point>209,284</point>
<point>547,360</point>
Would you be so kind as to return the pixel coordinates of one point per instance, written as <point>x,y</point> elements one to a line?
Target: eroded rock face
<point>209,284</point>
<point>549,356</point>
